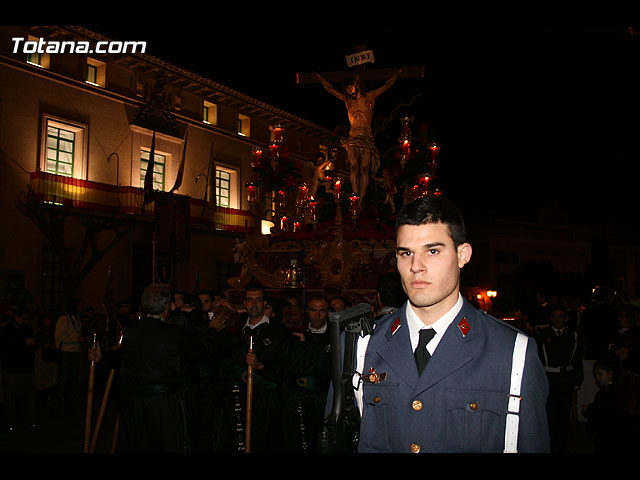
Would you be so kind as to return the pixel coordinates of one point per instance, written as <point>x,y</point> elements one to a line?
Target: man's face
<point>178,300</point>
<point>337,305</point>
<point>429,265</point>
<point>318,311</point>
<point>558,318</point>
<point>207,303</point>
<point>254,302</point>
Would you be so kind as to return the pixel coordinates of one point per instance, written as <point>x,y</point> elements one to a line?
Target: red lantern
<point>257,157</point>
<point>424,181</point>
<point>354,204</point>
<point>313,210</point>
<point>434,147</point>
<point>274,155</point>
<point>280,200</point>
<point>337,188</point>
<point>405,151</point>
<point>278,132</point>
<point>284,223</point>
<point>251,192</point>
<point>303,189</point>
<point>405,131</point>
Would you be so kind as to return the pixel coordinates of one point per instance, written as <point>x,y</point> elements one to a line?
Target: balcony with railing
<point>95,196</point>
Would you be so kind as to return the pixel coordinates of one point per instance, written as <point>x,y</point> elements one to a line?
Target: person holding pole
<point>254,368</point>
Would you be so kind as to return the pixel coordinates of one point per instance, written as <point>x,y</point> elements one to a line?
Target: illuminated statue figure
<point>362,154</point>
<point>320,167</point>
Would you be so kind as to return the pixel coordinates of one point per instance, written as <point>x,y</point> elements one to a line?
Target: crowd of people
<point>200,375</point>
<point>590,355</point>
<point>183,364</point>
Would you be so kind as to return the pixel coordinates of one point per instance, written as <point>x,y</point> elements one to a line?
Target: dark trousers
<point>265,421</point>
<point>66,386</point>
<point>559,402</point>
<point>19,390</point>
<point>302,419</point>
<point>153,423</point>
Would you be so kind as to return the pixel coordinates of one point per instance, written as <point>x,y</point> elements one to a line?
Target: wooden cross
<point>362,73</point>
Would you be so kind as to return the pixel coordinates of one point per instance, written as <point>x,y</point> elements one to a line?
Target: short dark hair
<point>155,298</point>
<point>193,301</point>
<point>206,291</point>
<point>347,303</point>
<point>434,209</point>
<point>253,288</point>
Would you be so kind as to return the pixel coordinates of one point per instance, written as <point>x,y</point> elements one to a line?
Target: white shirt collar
<point>264,319</point>
<point>440,325</point>
<point>322,329</point>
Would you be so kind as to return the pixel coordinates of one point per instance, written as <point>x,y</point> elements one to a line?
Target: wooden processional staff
<point>247,431</point>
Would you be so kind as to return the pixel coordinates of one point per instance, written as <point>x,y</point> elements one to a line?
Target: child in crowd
<point>601,414</point>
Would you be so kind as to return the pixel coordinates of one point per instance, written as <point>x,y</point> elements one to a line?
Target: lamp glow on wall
<point>266,226</point>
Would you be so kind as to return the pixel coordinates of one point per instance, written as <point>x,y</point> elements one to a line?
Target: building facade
<point>77,132</point>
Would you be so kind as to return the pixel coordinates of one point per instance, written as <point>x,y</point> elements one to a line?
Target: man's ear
<point>464,254</point>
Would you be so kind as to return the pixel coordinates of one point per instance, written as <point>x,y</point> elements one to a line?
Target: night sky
<point>529,119</point>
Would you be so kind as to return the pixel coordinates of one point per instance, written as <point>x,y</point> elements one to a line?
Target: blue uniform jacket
<point>459,404</point>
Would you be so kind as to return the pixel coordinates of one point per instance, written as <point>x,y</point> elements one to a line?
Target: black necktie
<point>421,353</point>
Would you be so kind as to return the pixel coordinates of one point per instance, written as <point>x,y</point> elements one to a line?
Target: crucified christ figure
<point>362,154</point>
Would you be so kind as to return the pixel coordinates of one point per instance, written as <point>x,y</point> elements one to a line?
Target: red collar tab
<point>395,326</point>
<point>464,327</point>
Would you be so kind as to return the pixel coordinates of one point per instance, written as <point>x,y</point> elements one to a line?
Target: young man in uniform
<point>461,400</point>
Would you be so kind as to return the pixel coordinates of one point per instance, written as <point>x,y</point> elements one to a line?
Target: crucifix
<point>362,153</point>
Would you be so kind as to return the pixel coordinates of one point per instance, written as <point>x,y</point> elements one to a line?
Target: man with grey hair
<point>153,356</point>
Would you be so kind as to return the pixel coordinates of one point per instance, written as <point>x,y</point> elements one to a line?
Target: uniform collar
<point>440,326</point>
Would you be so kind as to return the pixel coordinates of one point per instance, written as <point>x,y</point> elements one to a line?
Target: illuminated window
<point>60,151</point>
<point>36,58</point>
<point>96,72</point>
<point>210,113</point>
<point>244,125</point>
<point>92,74</point>
<point>227,187</point>
<point>223,188</point>
<point>159,162</point>
<point>63,147</point>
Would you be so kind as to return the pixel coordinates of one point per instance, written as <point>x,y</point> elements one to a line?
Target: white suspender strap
<point>513,408</point>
